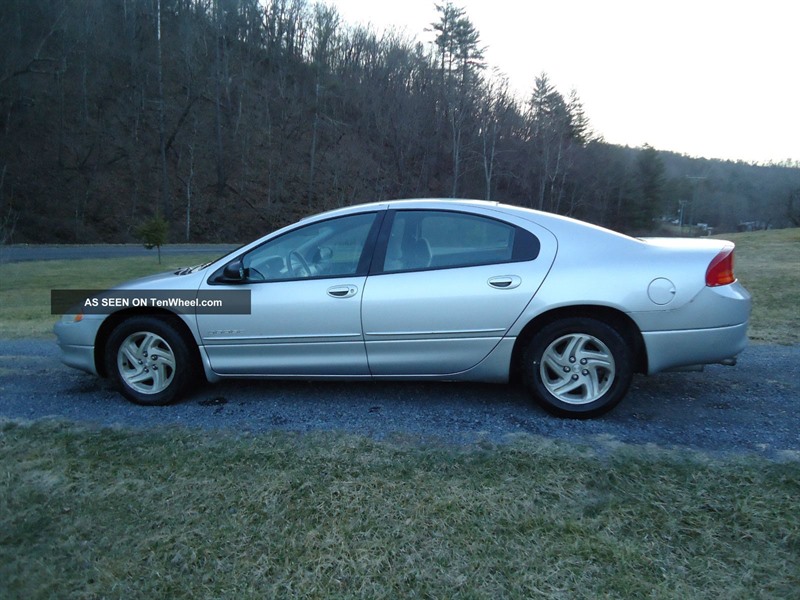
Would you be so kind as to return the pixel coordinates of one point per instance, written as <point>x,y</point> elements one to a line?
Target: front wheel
<point>148,360</point>
<point>578,367</point>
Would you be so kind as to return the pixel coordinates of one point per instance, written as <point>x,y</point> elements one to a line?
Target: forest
<point>230,118</point>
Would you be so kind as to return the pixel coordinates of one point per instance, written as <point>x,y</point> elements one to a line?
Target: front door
<point>306,289</point>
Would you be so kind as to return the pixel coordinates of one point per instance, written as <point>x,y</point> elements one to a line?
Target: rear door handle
<point>505,282</point>
<point>342,291</point>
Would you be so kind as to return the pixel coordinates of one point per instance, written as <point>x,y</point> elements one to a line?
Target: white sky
<point>712,78</point>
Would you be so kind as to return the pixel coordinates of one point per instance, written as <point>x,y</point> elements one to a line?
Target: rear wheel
<point>578,367</point>
<point>148,360</point>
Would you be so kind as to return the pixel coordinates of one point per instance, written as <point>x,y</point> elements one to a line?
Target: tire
<point>148,361</point>
<point>578,367</point>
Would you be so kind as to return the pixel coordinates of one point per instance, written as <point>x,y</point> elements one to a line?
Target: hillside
<point>233,117</point>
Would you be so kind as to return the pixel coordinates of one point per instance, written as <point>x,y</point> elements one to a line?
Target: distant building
<point>751,226</point>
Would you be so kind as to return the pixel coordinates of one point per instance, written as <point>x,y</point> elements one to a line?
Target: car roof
<point>430,203</point>
<point>556,223</point>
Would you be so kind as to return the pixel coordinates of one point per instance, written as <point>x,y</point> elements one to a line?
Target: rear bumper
<point>675,349</point>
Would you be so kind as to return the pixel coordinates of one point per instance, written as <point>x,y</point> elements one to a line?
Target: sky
<point>705,78</point>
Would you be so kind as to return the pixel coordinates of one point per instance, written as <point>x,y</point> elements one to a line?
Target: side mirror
<point>234,271</point>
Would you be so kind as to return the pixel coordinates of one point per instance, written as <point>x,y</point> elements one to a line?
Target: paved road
<point>753,407</point>
<point>25,252</point>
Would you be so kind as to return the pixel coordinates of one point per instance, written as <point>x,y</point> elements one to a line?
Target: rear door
<point>444,289</point>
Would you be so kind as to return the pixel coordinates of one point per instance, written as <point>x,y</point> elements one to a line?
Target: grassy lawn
<point>113,514</point>
<point>104,513</point>
<point>25,286</point>
<point>768,265</point>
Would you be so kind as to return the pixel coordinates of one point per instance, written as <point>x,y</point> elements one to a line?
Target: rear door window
<point>422,239</point>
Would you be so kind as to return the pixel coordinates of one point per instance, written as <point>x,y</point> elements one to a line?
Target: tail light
<point>720,271</point>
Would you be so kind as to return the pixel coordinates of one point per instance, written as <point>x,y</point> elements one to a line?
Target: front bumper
<point>79,357</point>
<point>76,340</point>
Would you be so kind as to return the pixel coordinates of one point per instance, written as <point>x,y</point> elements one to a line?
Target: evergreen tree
<point>650,190</point>
<point>461,61</point>
<point>153,234</point>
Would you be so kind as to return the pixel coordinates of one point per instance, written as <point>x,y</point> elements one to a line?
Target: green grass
<point>101,513</point>
<point>768,265</point>
<point>25,286</point>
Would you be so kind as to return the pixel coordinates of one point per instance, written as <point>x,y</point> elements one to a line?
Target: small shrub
<point>154,234</point>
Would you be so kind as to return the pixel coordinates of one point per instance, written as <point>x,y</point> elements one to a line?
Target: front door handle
<point>505,282</point>
<point>342,291</point>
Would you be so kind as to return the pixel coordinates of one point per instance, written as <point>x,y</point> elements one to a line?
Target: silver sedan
<point>424,289</point>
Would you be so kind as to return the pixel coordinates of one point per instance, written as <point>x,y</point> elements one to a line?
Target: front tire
<point>578,367</point>
<point>148,361</point>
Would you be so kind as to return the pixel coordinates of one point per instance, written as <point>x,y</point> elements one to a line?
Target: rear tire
<point>148,361</point>
<point>578,367</point>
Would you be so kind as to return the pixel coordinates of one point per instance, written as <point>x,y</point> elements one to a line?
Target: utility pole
<point>683,203</point>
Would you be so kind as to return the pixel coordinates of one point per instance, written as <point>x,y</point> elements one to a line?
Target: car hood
<point>169,280</point>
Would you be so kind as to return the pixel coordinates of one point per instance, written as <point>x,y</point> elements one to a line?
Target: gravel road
<point>753,407</point>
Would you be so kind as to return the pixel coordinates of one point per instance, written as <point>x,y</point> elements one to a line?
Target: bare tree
<point>166,203</point>
<point>497,105</point>
<point>219,79</point>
